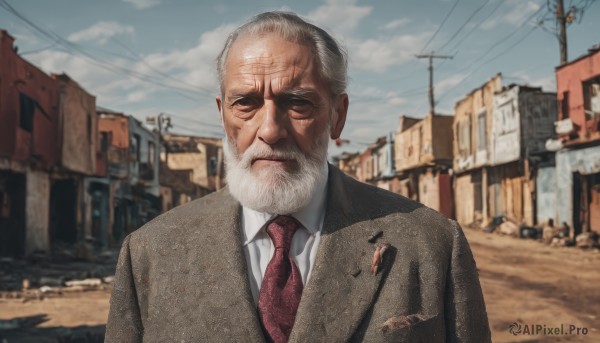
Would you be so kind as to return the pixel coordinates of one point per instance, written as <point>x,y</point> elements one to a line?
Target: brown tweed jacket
<point>182,277</point>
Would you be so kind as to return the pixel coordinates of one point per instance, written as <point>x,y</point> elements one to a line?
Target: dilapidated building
<point>77,144</point>
<point>379,165</point>
<point>423,158</point>
<point>191,167</point>
<point>29,103</point>
<point>125,193</point>
<point>472,126</point>
<point>578,162</point>
<point>522,121</point>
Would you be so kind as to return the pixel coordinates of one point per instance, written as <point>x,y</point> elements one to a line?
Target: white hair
<point>331,56</point>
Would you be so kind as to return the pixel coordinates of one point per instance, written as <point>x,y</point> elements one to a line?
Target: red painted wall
<point>19,76</point>
<point>569,78</point>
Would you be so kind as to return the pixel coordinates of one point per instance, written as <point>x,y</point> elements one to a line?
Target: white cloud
<point>519,11</point>
<point>394,24</point>
<point>341,16</point>
<point>380,54</point>
<point>101,32</point>
<point>448,83</point>
<point>548,83</point>
<point>143,4</point>
<point>396,100</point>
<point>187,71</point>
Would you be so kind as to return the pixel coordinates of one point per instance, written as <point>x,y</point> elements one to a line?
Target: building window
<point>27,109</point>
<point>464,137</point>
<point>105,140</point>
<point>564,105</point>
<point>135,146</point>
<point>90,130</point>
<point>151,153</point>
<point>481,131</point>
<point>591,97</point>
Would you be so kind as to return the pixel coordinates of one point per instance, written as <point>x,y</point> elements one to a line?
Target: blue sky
<point>144,57</point>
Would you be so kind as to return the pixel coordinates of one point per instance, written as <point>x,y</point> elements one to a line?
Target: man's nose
<point>274,124</point>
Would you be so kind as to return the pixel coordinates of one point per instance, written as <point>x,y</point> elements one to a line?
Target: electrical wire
<point>463,25</point>
<point>439,27</point>
<point>76,50</point>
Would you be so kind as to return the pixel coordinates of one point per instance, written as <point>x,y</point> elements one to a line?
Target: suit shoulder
<point>181,218</point>
<point>388,205</point>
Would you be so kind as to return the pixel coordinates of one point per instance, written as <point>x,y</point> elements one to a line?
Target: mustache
<point>264,151</point>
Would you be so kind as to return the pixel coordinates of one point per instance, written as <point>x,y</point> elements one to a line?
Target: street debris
<point>587,240</point>
<point>47,275</point>
<point>548,233</point>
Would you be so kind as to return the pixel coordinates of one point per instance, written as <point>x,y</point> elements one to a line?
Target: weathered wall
<point>385,160</point>
<point>116,128</point>
<point>37,211</point>
<point>584,161</point>
<point>545,194</point>
<point>510,193</point>
<point>569,82</point>
<point>195,161</point>
<point>538,114</point>
<point>429,190</point>
<point>505,135</point>
<point>145,168</point>
<point>25,89</point>
<point>425,142</point>
<point>441,138</point>
<point>78,127</point>
<point>463,199</point>
<point>472,126</point>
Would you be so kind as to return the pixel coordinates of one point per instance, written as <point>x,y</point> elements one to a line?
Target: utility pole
<point>159,121</point>
<point>561,21</point>
<point>431,56</point>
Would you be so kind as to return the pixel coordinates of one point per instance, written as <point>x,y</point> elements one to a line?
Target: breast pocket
<point>414,328</point>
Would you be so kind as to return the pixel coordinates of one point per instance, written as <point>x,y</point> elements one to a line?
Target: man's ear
<point>218,100</point>
<point>339,115</point>
<point>219,104</point>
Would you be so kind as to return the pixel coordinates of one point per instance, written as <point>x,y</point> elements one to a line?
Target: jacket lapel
<point>341,288</point>
<point>230,305</point>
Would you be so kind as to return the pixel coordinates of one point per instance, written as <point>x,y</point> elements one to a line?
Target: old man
<point>292,250</point>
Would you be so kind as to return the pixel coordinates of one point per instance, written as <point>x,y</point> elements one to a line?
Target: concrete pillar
<point>37,208</point>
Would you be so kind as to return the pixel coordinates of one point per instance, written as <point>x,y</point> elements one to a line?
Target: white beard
<point>274,190</point>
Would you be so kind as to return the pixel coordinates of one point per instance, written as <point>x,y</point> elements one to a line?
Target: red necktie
<point>281,287</point>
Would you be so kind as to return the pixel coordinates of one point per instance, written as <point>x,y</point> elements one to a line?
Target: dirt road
<point>529,283</point>
<point>523,281</point>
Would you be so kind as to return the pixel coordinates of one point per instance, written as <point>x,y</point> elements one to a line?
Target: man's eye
<point>245,103</point>
<point>299,104</point>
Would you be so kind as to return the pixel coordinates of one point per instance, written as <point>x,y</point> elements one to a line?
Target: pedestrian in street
<point>293,250</point>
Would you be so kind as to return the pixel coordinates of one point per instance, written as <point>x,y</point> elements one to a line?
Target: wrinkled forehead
<point>270,54</point>
<point>261,39</point>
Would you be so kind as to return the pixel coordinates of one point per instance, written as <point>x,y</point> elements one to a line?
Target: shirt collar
<point>310,216</point>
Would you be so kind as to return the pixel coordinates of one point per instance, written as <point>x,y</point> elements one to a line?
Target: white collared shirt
<point>258,246</point>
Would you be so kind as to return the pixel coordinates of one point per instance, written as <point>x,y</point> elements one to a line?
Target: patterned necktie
<point>281,287</point>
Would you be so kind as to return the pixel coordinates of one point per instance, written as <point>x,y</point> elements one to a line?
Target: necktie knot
<point>281,230</point>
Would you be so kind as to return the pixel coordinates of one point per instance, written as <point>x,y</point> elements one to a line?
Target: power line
<point>490,60</point>
<point>463,25</point>
<point>75,49</point>
<point>455,47</point>
<point>497,44</point>
<point>440,27</point>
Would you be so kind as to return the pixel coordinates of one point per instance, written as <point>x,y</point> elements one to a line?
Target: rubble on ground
<point>555,236</point>
<point>41,275</point>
